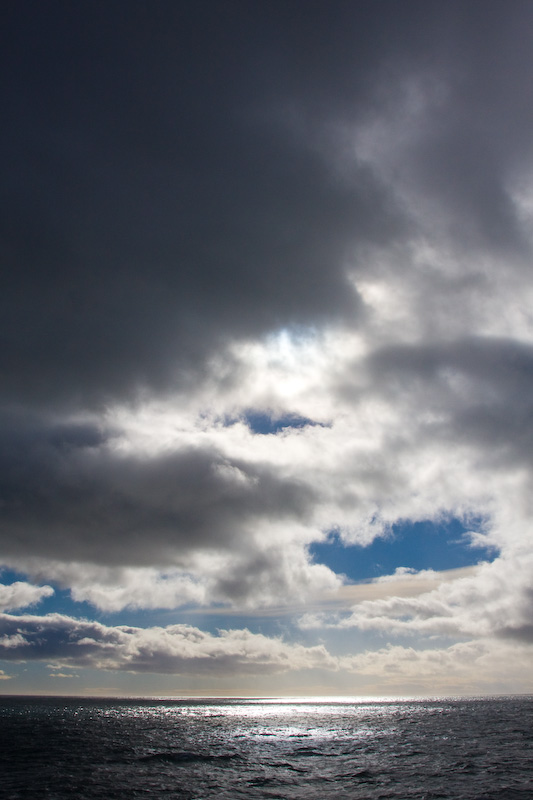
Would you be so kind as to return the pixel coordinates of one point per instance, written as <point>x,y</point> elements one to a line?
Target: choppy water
<point>77,748</point>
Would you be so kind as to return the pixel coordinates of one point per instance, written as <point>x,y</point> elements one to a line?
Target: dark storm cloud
<point>153,207</point>
<point>464,98</point>
<point>479,390</point>
<point>166,187</point>
<point>66,495</point>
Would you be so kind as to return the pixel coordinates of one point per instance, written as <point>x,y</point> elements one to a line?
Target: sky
<point>266,396</point>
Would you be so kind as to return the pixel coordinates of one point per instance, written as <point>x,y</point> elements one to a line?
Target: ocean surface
<point>478,749</point>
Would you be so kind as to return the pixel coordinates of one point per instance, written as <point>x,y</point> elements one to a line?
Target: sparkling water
<point>463,749</point>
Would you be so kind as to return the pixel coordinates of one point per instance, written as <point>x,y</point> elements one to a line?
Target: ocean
<point>465,749</point>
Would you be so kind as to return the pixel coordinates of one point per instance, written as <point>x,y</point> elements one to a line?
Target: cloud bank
<point>175,649</point>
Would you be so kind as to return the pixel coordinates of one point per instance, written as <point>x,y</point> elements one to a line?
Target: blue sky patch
<point>419,545</point>
<point>262,423</point>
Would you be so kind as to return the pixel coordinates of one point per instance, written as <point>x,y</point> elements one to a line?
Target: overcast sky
<point>266,313</point>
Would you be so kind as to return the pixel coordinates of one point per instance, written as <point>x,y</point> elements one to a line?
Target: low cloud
<point>176,649</point>
<point>66,644</point>
<point>62,675</point>
<point>467,667</point>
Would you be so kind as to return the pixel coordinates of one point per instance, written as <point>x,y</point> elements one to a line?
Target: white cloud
<point>21,594</point>
<point>62,675</point>
<point>493,602</point>
<point>467,667</point>
<point>407,574</point>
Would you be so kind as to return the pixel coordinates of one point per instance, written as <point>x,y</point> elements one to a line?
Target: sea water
<point>465,749</point>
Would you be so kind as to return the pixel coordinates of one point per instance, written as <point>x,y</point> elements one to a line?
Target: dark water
<point>454,748</point>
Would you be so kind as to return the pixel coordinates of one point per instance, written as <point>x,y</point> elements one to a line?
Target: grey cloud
<point>252,574</point>
<point>466,123</point>
<point>65,495</point>
<point>160,202</point>
<point>521,633</point>
<point>154,209</point>
<point>271,574</point>
<point>478,389</point>
<point>175,649</point>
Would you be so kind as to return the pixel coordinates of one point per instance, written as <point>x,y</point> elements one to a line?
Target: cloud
<point>185,509</point>
<point>408,574</point>
<point>215,216</point>
<point>466,667</point>
<point>477,389</point>
<point>21,594</point>
<point>67,644</point>
<point>191,494</point>
<point>176,649</point>
<point>61,675</point>
<point>494,602</point>
<point>182,524</point>
<point>205,221</point>
<point>200,206</point>
<point>14,641</point>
